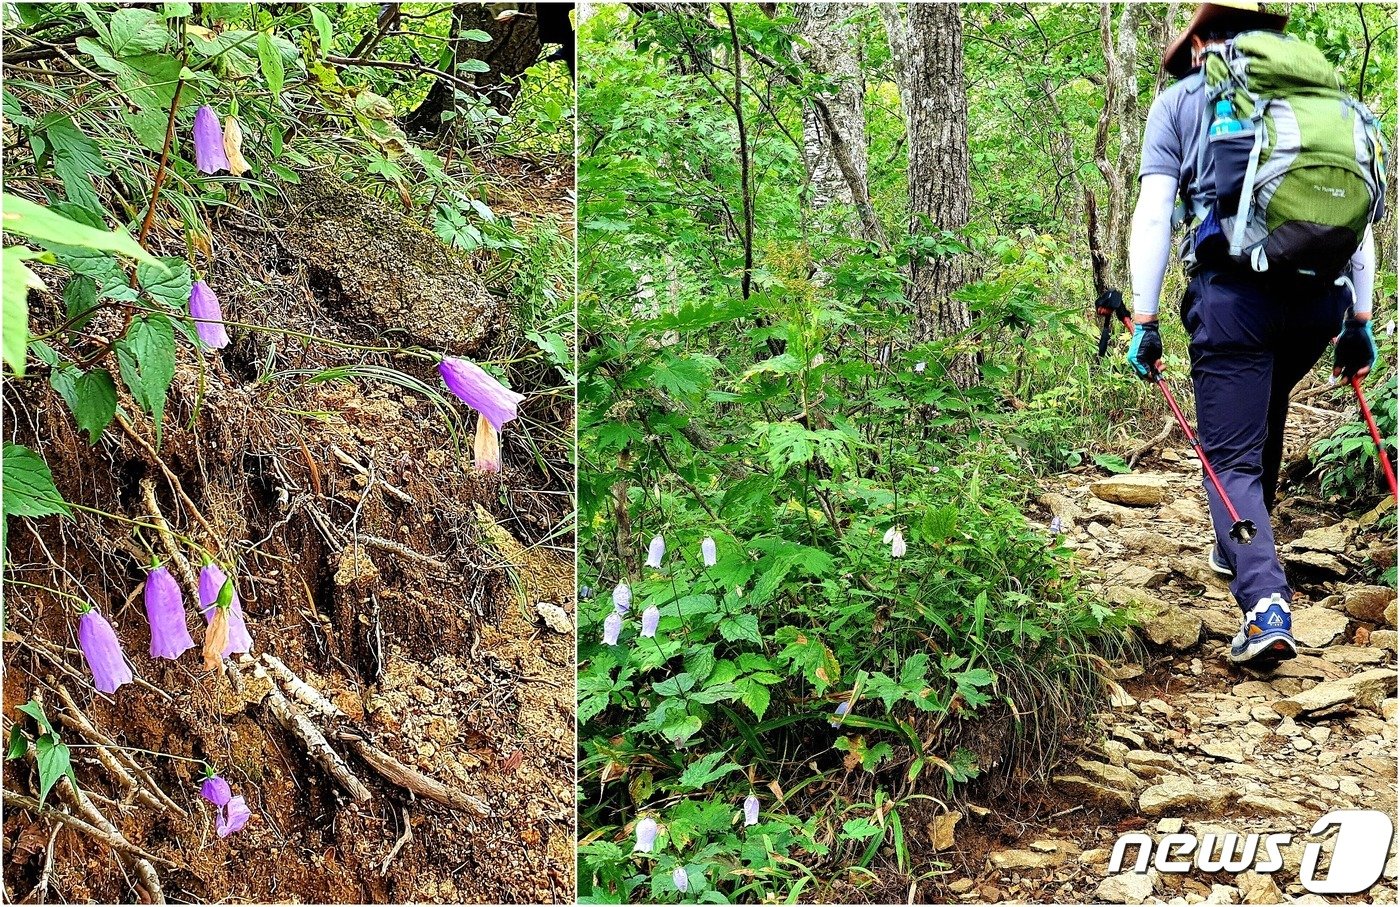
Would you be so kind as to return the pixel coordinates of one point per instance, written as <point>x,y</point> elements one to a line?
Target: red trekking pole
<point>1376,437</point>
<point>1109,306</point>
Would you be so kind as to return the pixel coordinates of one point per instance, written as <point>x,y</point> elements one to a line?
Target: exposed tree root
<point>295,723</point>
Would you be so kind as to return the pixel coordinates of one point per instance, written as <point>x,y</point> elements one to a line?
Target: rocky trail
<point>1191,743</point>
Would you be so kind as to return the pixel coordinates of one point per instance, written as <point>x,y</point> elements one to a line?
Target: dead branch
<point>374,541</point>
<point>1152,444</point>
<point>19,801</point>
<point>148,495</point>
<point>296,724</point>
<point>354,464</point>
<point>151,793</point>
<point>398,845</point>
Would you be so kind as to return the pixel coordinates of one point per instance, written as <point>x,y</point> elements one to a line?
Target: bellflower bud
<point>655,552</point>
<point>165,611</point>
<point>707,552</point>
<point>650,618</point>
<point>622,598</point>
<point>680,879</point>
<point>750,810</point>
<point>209,153</point>
<point>646,835</point>
<point>612,626</point>
<point>103,652</point>
<point>208,316</point>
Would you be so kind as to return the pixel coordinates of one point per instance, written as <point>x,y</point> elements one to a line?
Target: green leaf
<point>42,224</point>
<point>681,730</point>
<point>76,160</point>
<point>755,696</point>
<point>1113,463</point>
<point>477,35</point>
<point>168,282</point>
<point>322,23</point>
<point>271,60</point>
<point>29,487</point>
<point>705,770</point>
<point>91,396</point>
<point>35,710</point>
<point>743,627</point>
<point>147,359</point>
<point>137,31</point>
<point>18,745</point>
<point>474,66</point>
<point>14,320</point>
<point>54,762</point>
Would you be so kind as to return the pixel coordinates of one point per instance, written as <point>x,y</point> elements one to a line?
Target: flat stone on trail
<point>1316,627</point>
<point>1227,750</point>
<point>1368,603</point>
<point>1219,624</point>
<point>1032,859</point>
<point>1274,806</point>
<point>1109,775</point>
<point>1083,788</point>
<point>1353,655</point>
<point>1316,562</point>
<point>1178,794</point>
<point>1332,539</point>
<point>1063,507</point>
<point>1165,624</point>
<point>1134,490</point>
<point>1127,888</point>
<point>1365,690</point>
<point>1149,542</point>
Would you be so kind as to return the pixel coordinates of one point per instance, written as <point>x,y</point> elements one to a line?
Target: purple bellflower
<point>1057,526</point>
<point>211,583</point>
<point>680,879</point>
<point>471,384</point>
<point>612,626</point>
<point>622,598</point>
<point>165,611</point>
<point>750,810</point>
<point>103,652</point>
<point>209,156</point>
<point>233,812</point>
<point>646,835</point>
<point>707,552</point>
<point>208,316</point>
<point>650,618</point>
<point>655,552</point>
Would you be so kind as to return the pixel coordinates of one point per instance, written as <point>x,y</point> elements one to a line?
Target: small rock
<point>355,570</point>
<point>1319,734</point>
<point>1348,787</point>
<point>1127,888</point>
<point>1336,537</point>
<point>1176,793</point>
<point>1264,714</point>
<point>1109,775</point>
<point>555,617</point>
<point>1228,750</point>
<point>1062,507</point>
<point>1366,690</point>
<point>1384,639</point>
<point>1149,542</point>
<point>941,830</point>
<point>1388,709</point>
<point>1081,787</point>
<point>1251,688</point>
<point>1368,603</point>
<point>1317,562</point>
<point>1259,888</point>
<point>1140,490</point>
<point>1317,627</point>
<point>1223,894</point>
<point>1274,806</point>
<point>1169,826</point>
<point>1353,655</point>
<point>1028,859</point>
<point>1220,624</point>
<point>961,886</point>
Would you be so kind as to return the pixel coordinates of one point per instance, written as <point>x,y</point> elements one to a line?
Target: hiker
<point>1266,294</point>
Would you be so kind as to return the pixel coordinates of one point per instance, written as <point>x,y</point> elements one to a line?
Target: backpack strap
<point>1195,212</point>
<point>1250,174</point>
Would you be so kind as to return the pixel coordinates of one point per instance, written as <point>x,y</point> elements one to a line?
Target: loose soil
<point>370,558</point>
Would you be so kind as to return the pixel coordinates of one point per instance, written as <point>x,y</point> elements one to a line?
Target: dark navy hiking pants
<point>1251,342</point>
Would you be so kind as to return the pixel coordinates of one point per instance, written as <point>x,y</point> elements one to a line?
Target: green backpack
<point>1300,172</point>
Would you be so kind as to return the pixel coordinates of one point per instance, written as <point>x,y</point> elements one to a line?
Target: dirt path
<point>1193,744</point>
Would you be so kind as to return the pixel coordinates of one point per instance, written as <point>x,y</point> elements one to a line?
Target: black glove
<point>1145,350</point>
<point>1356,348</point>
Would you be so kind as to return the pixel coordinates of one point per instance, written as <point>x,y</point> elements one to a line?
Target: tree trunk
<point>514,46</point>
<point>926,47</point>
<point>1122,114</point>
<point>833,53</point>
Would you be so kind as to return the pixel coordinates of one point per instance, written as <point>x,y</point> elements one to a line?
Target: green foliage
<point>774,424</point>
<point>51,755</point>
<point>1346,459</point>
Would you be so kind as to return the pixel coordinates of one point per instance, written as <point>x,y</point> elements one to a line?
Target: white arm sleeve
<point>1150,243</point>
<point>1363,273</point>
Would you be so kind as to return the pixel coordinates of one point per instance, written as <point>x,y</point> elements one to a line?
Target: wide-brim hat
<point>1222,15</point>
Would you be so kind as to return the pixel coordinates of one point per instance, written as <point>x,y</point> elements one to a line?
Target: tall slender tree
<point>927,50</point>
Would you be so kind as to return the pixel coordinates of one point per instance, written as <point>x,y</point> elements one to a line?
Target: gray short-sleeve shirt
<point>1172,135</point>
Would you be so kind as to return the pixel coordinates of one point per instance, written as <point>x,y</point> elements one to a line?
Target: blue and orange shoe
<point>1266,636</point>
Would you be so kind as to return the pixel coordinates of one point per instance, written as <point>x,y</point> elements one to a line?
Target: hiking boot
<point>1266,635</point>
<point>1217,561</point>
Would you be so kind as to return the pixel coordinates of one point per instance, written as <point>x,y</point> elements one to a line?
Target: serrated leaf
<point>743,627</point>
<point>705,770</point>
<point>91,397</point>
<point>146,356</point>
<point>755,696</point>
<point>169,283</point>
<point>136,31</point>
<point>28,484</point>
<point>79,300</point>
<point>679,731</point>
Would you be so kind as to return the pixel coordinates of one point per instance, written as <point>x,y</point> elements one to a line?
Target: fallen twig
<point>374,541</point>
<point>116,842</point>
<point>151,791</point>
<point>398,845</point>
<point>354,464</point>
<point>295,723</point>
